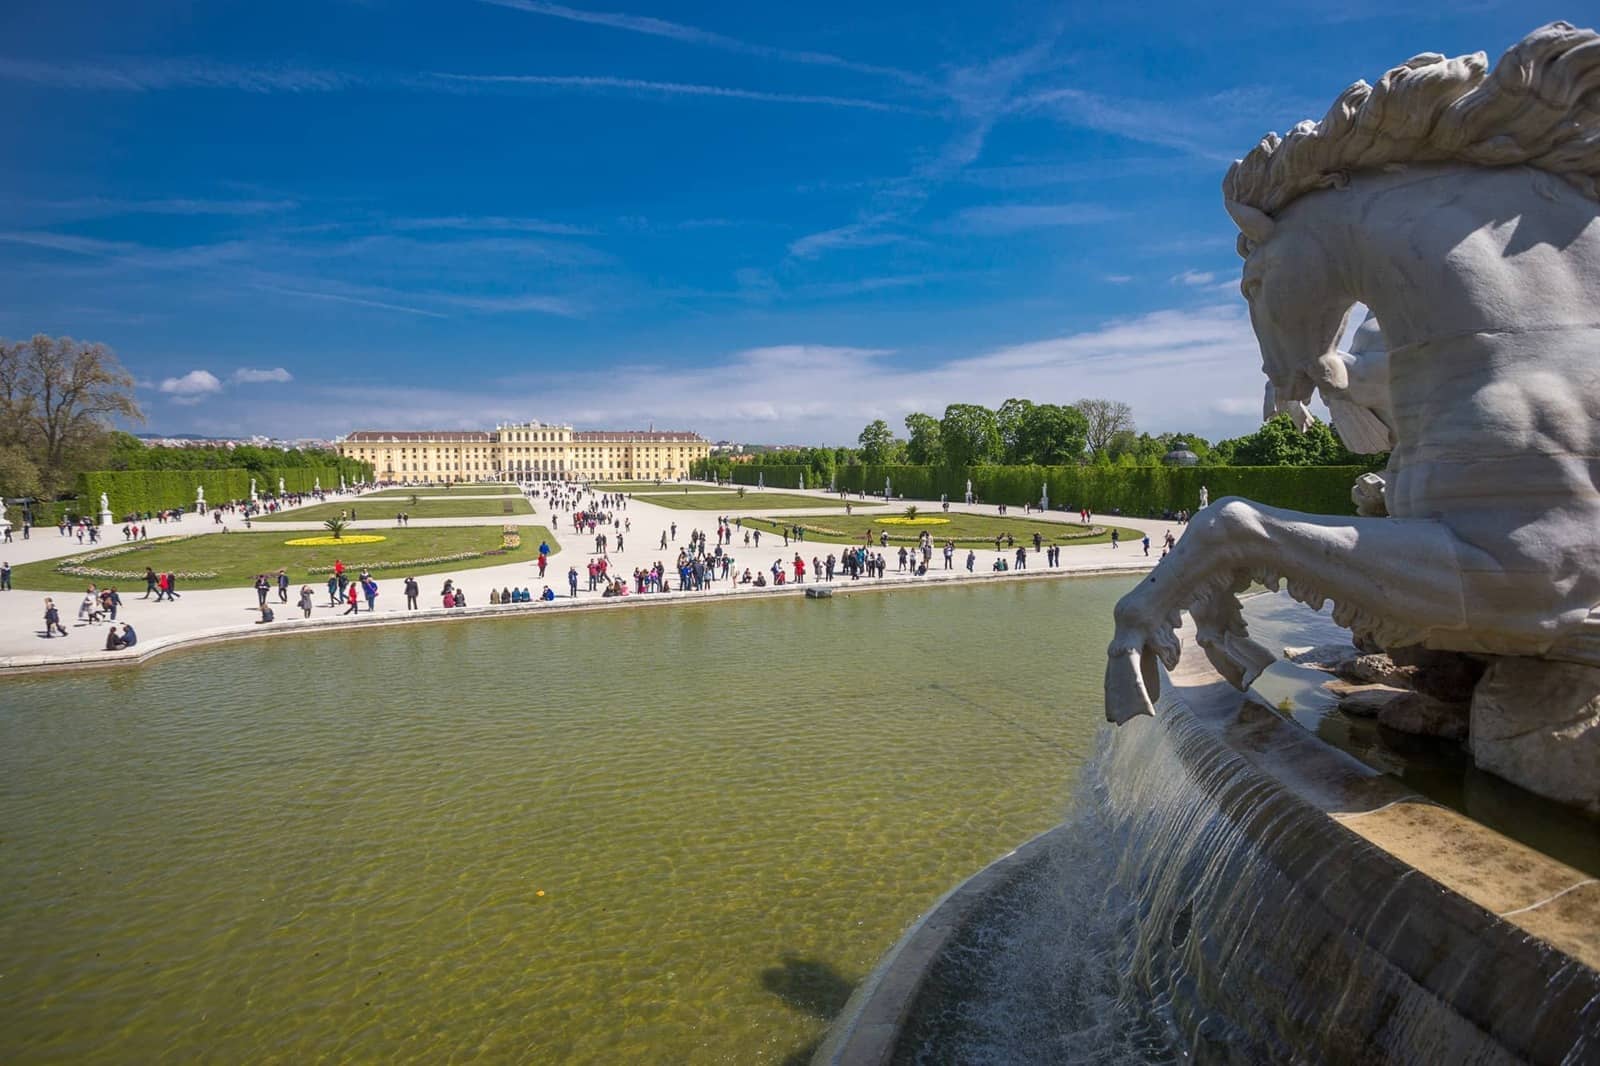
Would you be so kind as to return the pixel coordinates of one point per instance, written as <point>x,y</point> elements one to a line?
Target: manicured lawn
<point>968,530</point>
<point>385,510</point>
<point>750,501</point>
<point>236,558</point>
<point>440,490</point>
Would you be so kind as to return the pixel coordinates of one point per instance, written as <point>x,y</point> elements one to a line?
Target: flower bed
<point>900,520</point>
<point>73,564</point>
<point>334,542</point>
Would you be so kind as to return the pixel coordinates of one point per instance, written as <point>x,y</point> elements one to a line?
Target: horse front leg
<point>1391,579</point>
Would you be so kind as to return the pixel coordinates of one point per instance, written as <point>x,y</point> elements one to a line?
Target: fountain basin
<point>1263,897</point>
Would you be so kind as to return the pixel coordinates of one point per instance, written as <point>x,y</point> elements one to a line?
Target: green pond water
<point>332,848</point>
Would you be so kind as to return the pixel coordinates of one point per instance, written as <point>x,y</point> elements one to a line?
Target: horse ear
<point>1255,224</point>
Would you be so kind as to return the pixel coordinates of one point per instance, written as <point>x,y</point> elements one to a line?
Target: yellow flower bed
<point>334,542</point>
<point>917,521</point>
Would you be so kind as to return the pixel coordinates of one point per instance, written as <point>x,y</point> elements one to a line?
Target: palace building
<point>525,451</point>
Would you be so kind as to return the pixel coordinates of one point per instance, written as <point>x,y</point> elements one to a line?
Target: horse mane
<point>1539,107</point>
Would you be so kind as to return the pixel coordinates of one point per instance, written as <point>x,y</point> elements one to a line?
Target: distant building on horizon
<point>525,451</point>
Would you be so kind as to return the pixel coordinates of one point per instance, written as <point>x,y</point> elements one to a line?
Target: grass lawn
<point>440,490</point>
<point>385,510</point>
<point>968,530</point>
<point>236,558</point>
<point>650,486</point>
<point>750,501</point>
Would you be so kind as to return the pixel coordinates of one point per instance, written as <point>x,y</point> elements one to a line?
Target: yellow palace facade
<point>525,451</point>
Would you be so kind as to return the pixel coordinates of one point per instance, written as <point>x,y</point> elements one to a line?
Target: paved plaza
<point>231,613</point>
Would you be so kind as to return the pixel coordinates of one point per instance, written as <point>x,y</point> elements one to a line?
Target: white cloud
<point>248,376</point>
<point>1180,369</point>
<point>1194,277</point>
<point>1012,218</point>
<point>193,387</point>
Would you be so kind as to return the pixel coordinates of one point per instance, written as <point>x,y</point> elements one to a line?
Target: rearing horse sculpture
<point>1463,208</point>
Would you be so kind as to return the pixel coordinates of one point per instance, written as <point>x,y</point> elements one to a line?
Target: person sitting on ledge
<point>508,595</point>
<point>113,639</point>
<point>547,596</point>
<point>494,596</point>
<point>129,637</point>
<point>760,581</point>
<point>266,614</point>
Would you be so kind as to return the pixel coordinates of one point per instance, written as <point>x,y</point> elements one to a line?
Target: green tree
<point>1012,418</point>
<point>1279,443</point>
<point>877,442</point>
<point>923,445</point>
<point>18,476</point>
<point>1051,435</point>
<point>970,434</point>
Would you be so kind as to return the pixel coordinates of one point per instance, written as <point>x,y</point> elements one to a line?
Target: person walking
<point>112,601</point>
<point>52,619</point>
<point>283,585</point>
<point>1146,543</point>
<point>172,585</point>
<point>572,582</point>
<point>1116,536</point>
<point>306,597</point>
<point>369,589</point>
<point>355,600</point>
<point>261,590</point>
<point>5,577</point>
<point>411,593</point>
<point>972,559</point>
<point>333,591</point>
<point>149,583</point>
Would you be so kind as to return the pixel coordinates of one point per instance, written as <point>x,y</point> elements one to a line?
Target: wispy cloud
<point>310,294</point>
<point>640,87</point>
<point>545,305</point>
<point>1194,277</point>
<point>250,376</point>
<point>149,75</point>
<point>694,35</point>
<point>856,235</point>
<point>100,206</point>
<point>1014,218</point>
<point>147,256</point>
<point>493,223</point>
<point>1136,120</point>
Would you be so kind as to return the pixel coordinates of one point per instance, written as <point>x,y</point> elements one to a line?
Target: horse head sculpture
<point>1462,206</point>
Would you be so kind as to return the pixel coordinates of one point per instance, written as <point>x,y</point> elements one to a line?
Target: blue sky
<point>763,222</point>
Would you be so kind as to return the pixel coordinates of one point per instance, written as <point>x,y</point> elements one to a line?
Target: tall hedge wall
<point>158,490</point>
<point>1136,491</point>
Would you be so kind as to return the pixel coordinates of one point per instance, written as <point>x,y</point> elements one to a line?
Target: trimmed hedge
<point>1137,491</point>
<point>159,490</point>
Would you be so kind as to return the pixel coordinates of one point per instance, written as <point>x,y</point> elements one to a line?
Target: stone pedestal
<point>105,517</point>
<point>1537,723</point>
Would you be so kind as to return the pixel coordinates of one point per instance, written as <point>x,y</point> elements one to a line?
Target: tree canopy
<point>58,401</point>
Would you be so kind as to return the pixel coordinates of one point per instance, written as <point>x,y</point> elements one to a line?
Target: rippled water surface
<point>668,835</point>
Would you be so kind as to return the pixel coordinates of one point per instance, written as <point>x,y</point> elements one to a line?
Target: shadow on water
<point>809,986</point>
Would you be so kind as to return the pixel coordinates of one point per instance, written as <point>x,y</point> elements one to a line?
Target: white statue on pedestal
<point>281,491</point>
<point>105,510</point>
<point>1463,207</point>
<point>969,491</point>
<point>252,490</point>
<point>316,483</point>
<point>1205,497</point>
<point>199,499</point>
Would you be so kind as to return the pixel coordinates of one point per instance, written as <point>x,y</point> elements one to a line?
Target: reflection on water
<point>661,835</point>
<point>1442,770</point>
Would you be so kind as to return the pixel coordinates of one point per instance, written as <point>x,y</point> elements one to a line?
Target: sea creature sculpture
<point>1462,206</point>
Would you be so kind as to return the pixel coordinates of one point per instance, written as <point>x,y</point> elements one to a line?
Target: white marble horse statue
<point>1462,206</point>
